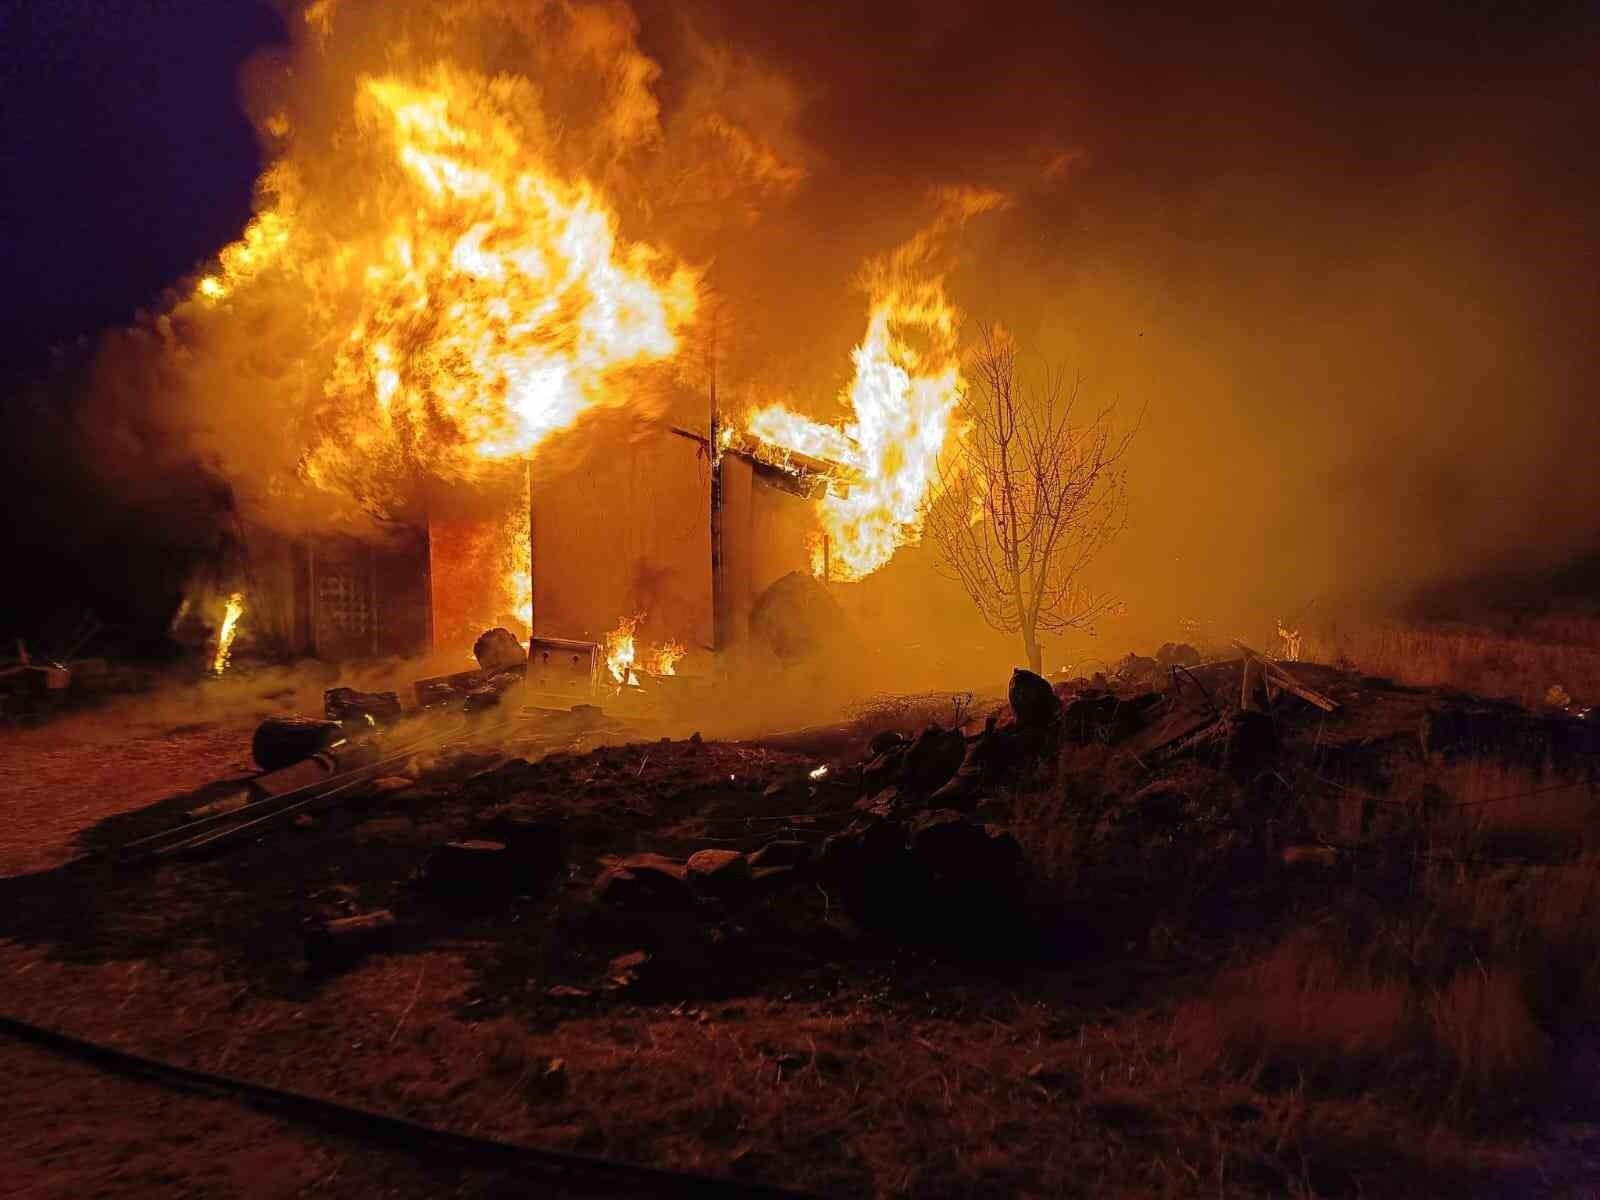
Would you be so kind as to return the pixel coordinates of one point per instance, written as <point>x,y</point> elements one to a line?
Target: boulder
<point>797,618</point>
<point>931,760</point>
<point>498,649</point>
<point>1033,701</point>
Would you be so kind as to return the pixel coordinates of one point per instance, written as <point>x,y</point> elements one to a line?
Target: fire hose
<point>576,1173</point>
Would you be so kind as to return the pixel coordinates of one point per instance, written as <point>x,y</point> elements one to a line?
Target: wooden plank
<point>1279,675</point>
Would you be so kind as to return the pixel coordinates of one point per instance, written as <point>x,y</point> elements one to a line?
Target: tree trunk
<point>1030,643</point>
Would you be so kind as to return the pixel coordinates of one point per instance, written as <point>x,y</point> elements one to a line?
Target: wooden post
<point>719,583</point>
<point>827,559</point>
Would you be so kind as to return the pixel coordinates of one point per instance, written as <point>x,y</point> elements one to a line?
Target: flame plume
<point>619,648</point>
<point>230,630</point>
<point>901,400</point>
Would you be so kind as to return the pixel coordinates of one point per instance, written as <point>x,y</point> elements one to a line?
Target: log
<point>283,741</point>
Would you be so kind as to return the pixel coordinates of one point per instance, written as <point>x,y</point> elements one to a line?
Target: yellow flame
<point>664,659</point>
<point>619,648</point>
<point>230,630</point>
<point>901,401</point>
<point>483,301</point>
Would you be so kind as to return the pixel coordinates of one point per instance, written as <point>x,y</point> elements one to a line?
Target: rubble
<point>498,649</point>
<point>282,741</point>
<point>344,704</point>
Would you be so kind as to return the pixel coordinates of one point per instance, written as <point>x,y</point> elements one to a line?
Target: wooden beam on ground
<point>1281,676</point>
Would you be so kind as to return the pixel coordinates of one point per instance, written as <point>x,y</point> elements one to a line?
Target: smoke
<point>1343,269</point>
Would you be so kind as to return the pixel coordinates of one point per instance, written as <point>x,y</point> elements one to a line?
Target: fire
<point>230,630</point>
<point>620,651</point>
<point>902,401</point>
<point>473,299</point>
<point>624,658</point>
<point>664,659</point>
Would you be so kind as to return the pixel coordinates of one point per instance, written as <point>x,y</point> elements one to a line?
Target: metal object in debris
<point>564,666</point>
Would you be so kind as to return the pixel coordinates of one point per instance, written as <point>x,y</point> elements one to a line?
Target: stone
<point>498,649</point>
<point>955,850</point>
<point>472,873</point>
<point>1032,700</point>
<point>933,758</point>
<point>646,883</point>
<point>797,618</point>
<point>784,852</point>
<point>717,868</point>
<point>885,740</point>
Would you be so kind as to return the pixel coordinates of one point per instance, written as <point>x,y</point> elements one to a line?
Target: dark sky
<point>124,154</point>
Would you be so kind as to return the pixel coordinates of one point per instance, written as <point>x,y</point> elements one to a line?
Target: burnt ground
<point>789,1029</point>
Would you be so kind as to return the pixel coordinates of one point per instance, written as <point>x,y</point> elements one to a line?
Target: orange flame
<point>619,648</point>
<point>230,630</point>
<point>484,302</point>
<point>664,659</point>
<point>902,401</point>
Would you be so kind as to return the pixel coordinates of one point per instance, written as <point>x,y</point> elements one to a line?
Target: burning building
<point>488,398</point>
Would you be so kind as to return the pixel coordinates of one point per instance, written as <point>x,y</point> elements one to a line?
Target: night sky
<point>1254,204</point>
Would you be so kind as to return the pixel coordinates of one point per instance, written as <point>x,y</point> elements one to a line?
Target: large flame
<point>620,652</point>
<point>231,613</point>
<point>625,659</point>
<point>901,400</point>
<point>483,301</point>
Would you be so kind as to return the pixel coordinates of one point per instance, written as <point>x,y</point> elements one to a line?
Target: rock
<point>883,770</point>
<point>957,851</point>
<point>646,883</point>
<point>1310,859</point>
<point>882,804</point>
<point>769,878</point>
<point>797,617</point>
<point>537,844</point>
<point>283,741</point>
<point>1178,654</point>
<point>885,740</point>
<point>933,758</point>
<point>1137,669</point>
<point>497,649</point>
<point>330,945</point>
<point>1159,803</point>
<point>717,868</point>
<point>785,852</point>
<point>368,708</point>
<point>1032,700</point>
<point>961,792</point>
<point>474,873</point>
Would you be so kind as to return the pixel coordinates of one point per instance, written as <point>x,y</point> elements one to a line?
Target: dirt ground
<point>822,1059</point>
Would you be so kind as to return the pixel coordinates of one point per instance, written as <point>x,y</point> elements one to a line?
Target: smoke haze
<point>1339,257</point>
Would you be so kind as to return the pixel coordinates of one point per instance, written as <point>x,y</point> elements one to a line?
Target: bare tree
<point>1030,494</point>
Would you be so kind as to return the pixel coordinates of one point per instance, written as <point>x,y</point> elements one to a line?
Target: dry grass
<point>1520,664</point>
